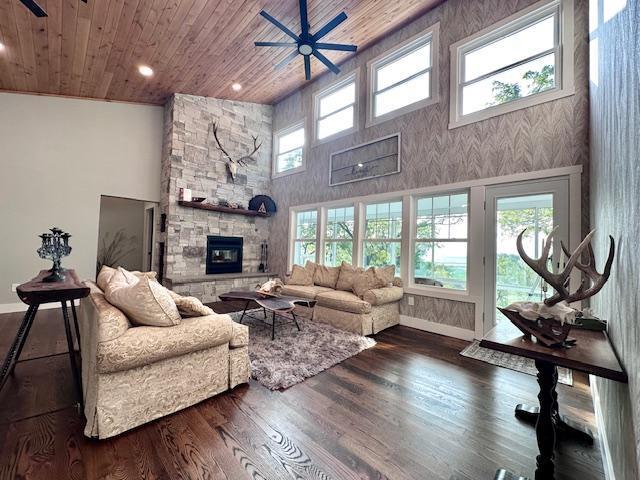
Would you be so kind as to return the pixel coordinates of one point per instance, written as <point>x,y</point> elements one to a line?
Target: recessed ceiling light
<point>361,165</point>
<point>145,71</point>
<point>236,87</point>
<point>1,46</point>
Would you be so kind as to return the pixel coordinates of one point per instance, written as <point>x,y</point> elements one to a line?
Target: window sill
<point>510,107</point>
<point>439,292</point>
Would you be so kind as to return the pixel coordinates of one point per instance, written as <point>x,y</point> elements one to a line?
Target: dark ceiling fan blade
<point>330,26</point>
<point>279,25</point>
<point>307,67</point>
<point>304,19</point>
<point>36,9</point>
<point>326,61</point>
<point>337,46</point>
<point>275,44</point>
<point>287,60</point>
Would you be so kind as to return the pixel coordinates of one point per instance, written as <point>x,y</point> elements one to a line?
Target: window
<point>289,150</point>
<point>338,239</point>
<point>306,236</point>
<point>514,64</point>
<point>440,243</point>
<point>402,81</point>
<point>382,235</point>
<point>335,109</point>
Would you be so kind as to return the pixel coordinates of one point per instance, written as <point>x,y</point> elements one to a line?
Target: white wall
<point>57,156</point>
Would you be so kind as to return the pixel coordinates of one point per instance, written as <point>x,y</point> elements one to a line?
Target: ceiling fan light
<point>305,49</point>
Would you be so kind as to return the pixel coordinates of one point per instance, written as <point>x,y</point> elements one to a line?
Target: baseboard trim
<point>22,307</point>
<point>439,328</point>
<point>609,472</point>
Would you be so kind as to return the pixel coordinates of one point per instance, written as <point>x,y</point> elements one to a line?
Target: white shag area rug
<point>512,362</point>
<point>296,355</point>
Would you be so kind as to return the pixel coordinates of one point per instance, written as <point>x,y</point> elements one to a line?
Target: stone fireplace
<point>191,159</point>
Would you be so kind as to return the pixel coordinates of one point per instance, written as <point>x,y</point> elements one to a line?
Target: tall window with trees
<point>515,64</point>
<point>338,239</point>
<point>382,235</point>
<point>306,237</point>
<point>289,150</point>
<point>440,243</point>
<point>401,80</point>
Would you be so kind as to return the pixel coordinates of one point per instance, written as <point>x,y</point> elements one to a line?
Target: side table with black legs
<point>35,293</point>
<point>592,354</point>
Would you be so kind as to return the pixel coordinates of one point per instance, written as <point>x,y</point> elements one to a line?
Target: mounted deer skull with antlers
<point>232,165</point>
<point>592,281</point>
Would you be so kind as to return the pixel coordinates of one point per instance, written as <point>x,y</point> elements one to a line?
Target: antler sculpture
<point>232,165</point>
<point>592,281</point>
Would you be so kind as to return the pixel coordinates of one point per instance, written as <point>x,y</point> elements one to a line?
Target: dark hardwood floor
<point>409,408</point>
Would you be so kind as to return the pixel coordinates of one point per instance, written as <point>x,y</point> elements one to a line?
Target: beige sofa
<point>132,375</point>
<point>378,308</point>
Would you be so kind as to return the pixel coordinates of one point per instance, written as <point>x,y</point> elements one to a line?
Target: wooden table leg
<point>546,423</point>
<point>72,355</point>
<point>75,322</point>
<point>15,350</point>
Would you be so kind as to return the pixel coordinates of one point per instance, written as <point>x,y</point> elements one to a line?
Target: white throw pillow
<point>143,300</point>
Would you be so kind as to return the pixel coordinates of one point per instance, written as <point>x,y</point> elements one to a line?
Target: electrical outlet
<point>411,301</point>
<point>14,286</point>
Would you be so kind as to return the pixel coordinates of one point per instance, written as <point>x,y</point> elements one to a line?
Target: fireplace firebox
<point>224,254</point>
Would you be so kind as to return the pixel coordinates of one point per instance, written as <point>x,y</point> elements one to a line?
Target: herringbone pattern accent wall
<point>554,134</point>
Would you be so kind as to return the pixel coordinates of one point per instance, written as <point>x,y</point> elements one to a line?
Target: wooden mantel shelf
<point>219,208</point>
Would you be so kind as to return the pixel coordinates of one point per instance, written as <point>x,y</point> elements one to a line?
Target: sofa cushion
<point>382,296</point>
<point>343,301</point>
<point>107,272</point>
<point>364,281</point>
<point>143,300</point>
<point>309,292</point>
<point>385,275</point>
<point>326,276</point>
<point>302,275</point>
<point>347,275</point>
<point>190,306</point>
<point>141,346</point>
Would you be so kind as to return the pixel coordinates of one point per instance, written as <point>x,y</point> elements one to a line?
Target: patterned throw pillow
<point>190,306</point>
<point>347,275</point>
<point>144,301</point>
<point>385,275</point>
<point>326,276</point>
<point>107,272</point>
<point>365,281</point>
<point>302,275</point>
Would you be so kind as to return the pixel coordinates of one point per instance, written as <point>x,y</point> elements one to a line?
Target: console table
<point>592,354</point>
<point>34,293</point>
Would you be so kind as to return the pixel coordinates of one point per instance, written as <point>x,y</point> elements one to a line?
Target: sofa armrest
<point>145,345</point>
<point>382,296</point>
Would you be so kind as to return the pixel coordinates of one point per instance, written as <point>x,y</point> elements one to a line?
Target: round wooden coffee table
<point>281,306</point>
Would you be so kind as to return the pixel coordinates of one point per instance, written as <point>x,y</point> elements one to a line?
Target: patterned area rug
<point>296,355</point>
<point>513,362</point>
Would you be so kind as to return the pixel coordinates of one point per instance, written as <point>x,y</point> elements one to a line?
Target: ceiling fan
<point>36,9</point>
<point>306,43</point>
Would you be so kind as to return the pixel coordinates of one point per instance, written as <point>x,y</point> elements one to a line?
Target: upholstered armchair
<point>134,374</point>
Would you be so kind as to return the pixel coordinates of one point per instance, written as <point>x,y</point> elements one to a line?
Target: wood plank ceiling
<point>198,47</point>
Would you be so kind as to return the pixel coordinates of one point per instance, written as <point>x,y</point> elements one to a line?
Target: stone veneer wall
<point>191,159</point>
